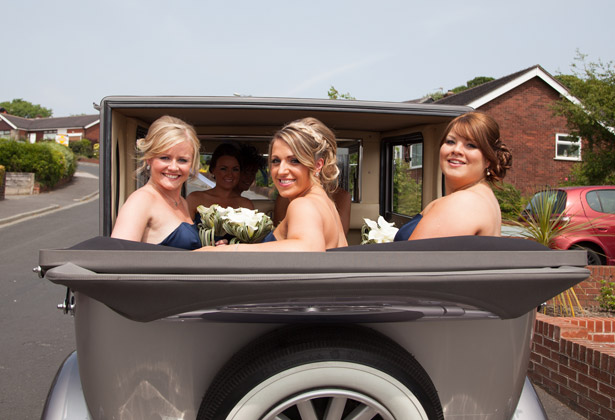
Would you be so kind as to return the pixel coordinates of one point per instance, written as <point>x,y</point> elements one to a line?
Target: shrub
<point>82,147</point>
<point>2,172</point>
<point>50,162</point>
<point>511,202</point>
<point>607,296</point>
<point>68,159</point>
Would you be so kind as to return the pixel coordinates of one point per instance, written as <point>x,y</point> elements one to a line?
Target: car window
<point>403,183</point>
<point>602,201</point>
<point>555,198</point>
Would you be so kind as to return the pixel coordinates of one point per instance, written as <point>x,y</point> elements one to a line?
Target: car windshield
<point>554,199</point>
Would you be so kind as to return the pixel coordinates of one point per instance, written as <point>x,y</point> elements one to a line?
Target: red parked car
<point>592,206</point>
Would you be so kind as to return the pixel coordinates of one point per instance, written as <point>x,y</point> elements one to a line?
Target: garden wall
<point>574,358</point>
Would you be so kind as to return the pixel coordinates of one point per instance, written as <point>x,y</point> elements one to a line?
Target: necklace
<point>166,196</point>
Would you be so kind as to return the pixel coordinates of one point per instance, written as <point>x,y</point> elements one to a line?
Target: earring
<point>488,172</point>
<point>148,167</point>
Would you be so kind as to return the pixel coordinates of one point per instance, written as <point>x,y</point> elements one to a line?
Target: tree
<point>334,94</point>
<point>477,81</point>
<point>25,109</point>
<point>593,118</point>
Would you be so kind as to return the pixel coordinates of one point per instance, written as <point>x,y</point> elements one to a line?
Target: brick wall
<point>588,290</point>
<point>574,358</point>
<point>573,368</point>
<point>528,128</point>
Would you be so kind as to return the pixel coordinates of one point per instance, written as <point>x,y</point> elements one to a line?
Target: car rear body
<point>159,330</point>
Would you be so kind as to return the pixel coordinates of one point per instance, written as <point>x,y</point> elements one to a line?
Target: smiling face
<point>290,177</point>
<point>227,172</point>
<point>462,162</point>
<point>171,168</point>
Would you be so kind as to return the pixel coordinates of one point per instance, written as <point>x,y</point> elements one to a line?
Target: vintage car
<point>431,329</point>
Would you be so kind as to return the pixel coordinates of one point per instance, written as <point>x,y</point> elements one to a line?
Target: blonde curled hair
<point>165,133</point>
<point>311,140</point>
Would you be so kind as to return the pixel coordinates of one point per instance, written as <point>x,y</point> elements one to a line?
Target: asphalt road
<point>36,337</point>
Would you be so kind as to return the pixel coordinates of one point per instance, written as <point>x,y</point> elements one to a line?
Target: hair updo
<point>165,133</point>
<point>485,132</point>
<point>311,140</point>
<point>225,149</point>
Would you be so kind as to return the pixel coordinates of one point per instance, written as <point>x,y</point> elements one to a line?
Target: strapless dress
<point>185,236</point>
<point>406,230</point>
<point>269,238</point>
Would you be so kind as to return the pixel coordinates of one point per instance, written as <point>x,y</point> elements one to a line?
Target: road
<point>36,337</point>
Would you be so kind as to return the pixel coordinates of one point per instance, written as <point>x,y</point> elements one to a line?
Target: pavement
<point>81,189</point>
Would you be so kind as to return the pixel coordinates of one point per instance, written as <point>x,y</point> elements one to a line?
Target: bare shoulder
<point>141,199</point>
<point>246,203</point>
<point>304,206</point>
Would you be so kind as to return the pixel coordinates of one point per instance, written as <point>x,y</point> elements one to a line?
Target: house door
<point>32,137</point>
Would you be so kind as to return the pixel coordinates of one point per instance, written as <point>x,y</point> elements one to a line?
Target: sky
<point>68,54</point>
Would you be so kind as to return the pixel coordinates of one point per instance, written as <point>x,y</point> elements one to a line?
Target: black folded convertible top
<point>506,277</point>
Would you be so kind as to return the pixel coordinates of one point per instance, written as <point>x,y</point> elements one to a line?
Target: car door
<point>599,206</point>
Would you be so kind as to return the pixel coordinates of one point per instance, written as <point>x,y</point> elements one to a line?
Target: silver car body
<point>154,328</point>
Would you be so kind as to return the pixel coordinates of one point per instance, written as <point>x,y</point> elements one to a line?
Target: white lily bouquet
<point>377,232</point>
<point>244,225</point>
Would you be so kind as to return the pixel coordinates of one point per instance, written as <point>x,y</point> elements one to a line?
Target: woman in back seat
<point>157,213</point>
<point>303,168</point>
<point>472,159</point>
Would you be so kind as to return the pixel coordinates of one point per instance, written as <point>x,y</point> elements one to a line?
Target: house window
<point>50,135</point>
<point>416,155</point>
<point>567,147</point>
<point>5,134</point>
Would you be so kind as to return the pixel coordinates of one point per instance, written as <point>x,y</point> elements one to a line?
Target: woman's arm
<point>305,232</point>
<point>459,214</point>
<point>133,217</point>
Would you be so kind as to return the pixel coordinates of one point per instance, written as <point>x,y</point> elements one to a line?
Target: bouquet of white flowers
<point>377,232</point>
<point>244,225</point>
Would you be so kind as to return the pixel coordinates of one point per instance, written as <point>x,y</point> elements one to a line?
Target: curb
<point>28,214</point>
<point>87,197</point>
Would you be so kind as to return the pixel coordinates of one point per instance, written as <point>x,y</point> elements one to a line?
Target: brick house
<point>38,129</point>
<point>543,152</point>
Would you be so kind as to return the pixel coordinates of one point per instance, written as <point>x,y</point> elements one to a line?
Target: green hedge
<point>2,172</point>
<point>50,162</point>
<point>82,147</point>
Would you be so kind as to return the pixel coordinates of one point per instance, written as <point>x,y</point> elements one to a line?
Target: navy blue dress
<point>269,238</point>
<point>185,236</point>
<point>406,230</point>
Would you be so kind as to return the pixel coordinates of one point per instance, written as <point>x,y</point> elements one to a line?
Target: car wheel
<point>593,256</point>
<point>321,373</point>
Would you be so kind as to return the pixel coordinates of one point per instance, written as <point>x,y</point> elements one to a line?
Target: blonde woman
<point>302,162</point>
<point>157,213</point>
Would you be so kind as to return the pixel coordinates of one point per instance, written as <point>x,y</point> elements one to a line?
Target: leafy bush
<point>69,159</point>
<point>511,202</point>
<point>82,147</point>
<point>607,296</point>
<point>50,162</point>
<point>2,172</point>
